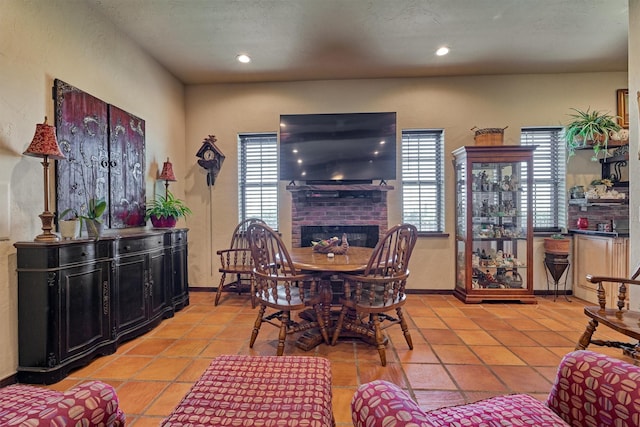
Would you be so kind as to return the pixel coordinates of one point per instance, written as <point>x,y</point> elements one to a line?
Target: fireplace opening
<point>358,235</point>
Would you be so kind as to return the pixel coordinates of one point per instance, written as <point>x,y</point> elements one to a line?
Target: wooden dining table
<point>307,260</point>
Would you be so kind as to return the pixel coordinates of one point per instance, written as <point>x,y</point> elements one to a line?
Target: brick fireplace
<point>331,206</point>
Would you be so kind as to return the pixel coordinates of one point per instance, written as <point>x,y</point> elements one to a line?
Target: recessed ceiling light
<point>243,58</point>
<point>442,51</point>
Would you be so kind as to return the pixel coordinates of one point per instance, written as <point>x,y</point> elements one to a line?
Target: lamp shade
<point>167,172</point>
<point>45,143</point>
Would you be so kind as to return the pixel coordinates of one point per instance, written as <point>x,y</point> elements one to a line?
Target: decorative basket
<point>338,247</point>
<point>489,136</point>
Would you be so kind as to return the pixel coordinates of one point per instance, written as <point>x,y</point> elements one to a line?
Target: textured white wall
<point>454,103</point>
<point>41,41</point>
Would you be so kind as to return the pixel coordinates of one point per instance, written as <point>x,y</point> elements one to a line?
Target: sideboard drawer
<point>127,246</point>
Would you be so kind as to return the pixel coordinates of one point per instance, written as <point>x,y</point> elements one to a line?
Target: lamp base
<point>47,225</point>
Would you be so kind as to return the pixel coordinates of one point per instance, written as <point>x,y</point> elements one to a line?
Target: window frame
<point>251,176</point>
<point>549,158</point>
<point>424,159</point>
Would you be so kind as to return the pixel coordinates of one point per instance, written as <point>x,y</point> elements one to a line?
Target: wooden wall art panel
<point>105,151</point>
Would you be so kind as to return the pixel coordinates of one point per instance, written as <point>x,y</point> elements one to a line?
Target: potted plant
<point>590,129</point>
<point>165,211</point>
<point>93,217</point>
<point>69,224</point>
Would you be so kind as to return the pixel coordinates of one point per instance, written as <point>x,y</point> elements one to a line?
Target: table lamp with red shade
<point>45,145</point>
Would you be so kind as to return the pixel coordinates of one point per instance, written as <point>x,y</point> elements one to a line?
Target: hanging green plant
<point>589,129</point>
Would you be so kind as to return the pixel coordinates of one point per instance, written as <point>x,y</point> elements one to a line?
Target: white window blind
<point>258,177</point>
<point>549,190</point>
<point>423,179</point>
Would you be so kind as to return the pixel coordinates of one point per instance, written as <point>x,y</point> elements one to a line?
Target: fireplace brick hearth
<point>337,205</point>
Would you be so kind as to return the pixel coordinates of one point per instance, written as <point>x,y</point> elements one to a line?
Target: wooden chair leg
<point>336,333</point>
<point>405,328</point>
<point>321,323</point>
<point>256,326</point>
<point>282,336</point>
<point>379,339</point>
<point>585,339</point>
<point>220,286</point>
<point>252,289</point>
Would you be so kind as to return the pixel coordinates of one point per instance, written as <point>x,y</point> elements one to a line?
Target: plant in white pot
<point>590,129</point>
<point>165,211</point>
<point>69,224</point>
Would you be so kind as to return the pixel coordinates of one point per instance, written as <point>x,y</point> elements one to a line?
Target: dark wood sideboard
<point>78,299</point>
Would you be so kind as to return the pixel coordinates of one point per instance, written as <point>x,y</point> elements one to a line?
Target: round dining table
<point>307,260</point>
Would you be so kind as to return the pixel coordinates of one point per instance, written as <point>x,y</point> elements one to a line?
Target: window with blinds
<point>549,190</point>
<point>423,179</point>
<point>258,177</point>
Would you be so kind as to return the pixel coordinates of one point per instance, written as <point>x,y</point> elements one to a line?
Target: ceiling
<point>288,40</point>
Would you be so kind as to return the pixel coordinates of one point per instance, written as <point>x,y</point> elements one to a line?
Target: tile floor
<point>461,353</point>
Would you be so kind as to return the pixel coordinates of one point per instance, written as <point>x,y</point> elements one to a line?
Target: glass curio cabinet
<point>494,228</point>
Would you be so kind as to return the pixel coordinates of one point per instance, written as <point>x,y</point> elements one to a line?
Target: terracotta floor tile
<point>536,356</point>
<point>512,337</point>
<point>522,379</point>
<point>125,367</point>
<point>168,399</point>
<point>150,346</point>
<point>165,369</point>
<point>186,347</point>
<point>136,396</point>
<point>194,370</point>
<point>440,336</point>
<point>428,376</point>
<point>451,362</point>
<point>204,331</point>
<point>341,402</point>
<point>460,323</point>
<point>496,355</point>
<point>527,325</point>
<point>456,354</point>
<point>550,339</point>
<point>393,373</point>
<point>344,374</point>
<point>471,337</point>
<point>475,378</point>
<point>421,353</point>
<point>429,323</point>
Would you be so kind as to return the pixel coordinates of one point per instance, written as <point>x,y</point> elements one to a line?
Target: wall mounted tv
<point>338,148</point>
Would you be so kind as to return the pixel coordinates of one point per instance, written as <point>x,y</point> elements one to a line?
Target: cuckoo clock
<point>210,158</point>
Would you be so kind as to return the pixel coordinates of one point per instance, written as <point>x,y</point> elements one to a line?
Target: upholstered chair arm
<point>93,402</point>
<point>595,389</point>
<point>381,403</point>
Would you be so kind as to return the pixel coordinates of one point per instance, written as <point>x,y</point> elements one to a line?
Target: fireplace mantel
<point>337,187</point>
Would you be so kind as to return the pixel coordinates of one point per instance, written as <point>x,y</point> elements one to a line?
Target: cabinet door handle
<point>83,254</point>
<point>127,248</point>
<point>104,163</point>
<point>113,163</point>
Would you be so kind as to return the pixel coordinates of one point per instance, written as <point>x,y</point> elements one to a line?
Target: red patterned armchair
<point>93,403</point>
<point>590,390</point>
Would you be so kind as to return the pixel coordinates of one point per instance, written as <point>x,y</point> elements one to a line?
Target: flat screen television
<point>338,148</point>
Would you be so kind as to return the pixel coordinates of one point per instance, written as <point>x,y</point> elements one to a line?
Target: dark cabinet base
<point>80,299</point>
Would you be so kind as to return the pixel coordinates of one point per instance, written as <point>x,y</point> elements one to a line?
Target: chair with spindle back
<point>379,290</point>
<point>237,261</point>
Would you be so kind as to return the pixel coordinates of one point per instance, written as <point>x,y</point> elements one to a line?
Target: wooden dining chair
<point>280,287</point>
<point>380,289</point>
<point>237,261</point>
<point>619,318</point>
